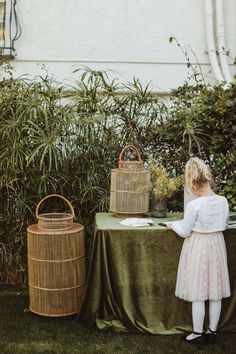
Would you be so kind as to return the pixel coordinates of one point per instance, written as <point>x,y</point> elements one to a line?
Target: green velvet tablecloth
<point>131,279</point>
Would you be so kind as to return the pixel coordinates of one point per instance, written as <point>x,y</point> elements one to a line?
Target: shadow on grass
<point>25,332</point>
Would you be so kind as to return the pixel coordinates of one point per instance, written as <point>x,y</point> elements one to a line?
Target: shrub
<point>67,139</point>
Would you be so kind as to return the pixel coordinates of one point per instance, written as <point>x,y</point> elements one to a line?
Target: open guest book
<point>232,221</point>
<point>136,222</point>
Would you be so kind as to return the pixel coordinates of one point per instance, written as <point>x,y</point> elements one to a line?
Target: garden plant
<point>63,139</point>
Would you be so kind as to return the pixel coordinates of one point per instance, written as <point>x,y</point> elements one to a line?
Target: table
<point>131,279</point>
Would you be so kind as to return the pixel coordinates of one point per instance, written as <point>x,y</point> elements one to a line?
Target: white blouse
<point>203,214</point>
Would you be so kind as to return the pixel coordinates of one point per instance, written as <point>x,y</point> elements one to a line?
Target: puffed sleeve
<point>184,227</point>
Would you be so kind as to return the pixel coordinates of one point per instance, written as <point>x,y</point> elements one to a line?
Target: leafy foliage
<point>163,186</point>
<point>67,139</point>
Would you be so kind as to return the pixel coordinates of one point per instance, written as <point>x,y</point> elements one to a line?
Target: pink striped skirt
<point>203,270</point>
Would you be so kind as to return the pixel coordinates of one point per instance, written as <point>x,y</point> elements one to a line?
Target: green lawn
<point>24,332</point>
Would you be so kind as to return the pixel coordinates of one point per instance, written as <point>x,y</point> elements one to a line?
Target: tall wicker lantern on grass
<point>129,186</point>
<point>56,263</point>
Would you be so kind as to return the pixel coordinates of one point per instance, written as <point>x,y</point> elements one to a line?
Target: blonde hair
<point>197,173</point>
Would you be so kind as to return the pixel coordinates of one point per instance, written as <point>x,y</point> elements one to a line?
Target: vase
<point>159,208</point>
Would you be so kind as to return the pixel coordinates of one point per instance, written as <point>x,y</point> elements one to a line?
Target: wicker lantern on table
<point>130,184</point>
<point>56,263</point>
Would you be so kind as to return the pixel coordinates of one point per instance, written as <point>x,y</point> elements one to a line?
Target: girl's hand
<point>169,226</point>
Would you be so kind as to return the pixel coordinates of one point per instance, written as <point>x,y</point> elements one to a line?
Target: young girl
<point>202,272</point>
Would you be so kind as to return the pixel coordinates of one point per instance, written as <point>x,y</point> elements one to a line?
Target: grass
<point>25,332</point>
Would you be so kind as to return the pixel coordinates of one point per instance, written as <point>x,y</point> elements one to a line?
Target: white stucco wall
<point>130,37</point>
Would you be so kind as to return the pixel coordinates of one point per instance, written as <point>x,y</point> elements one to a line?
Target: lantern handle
<point>132,147</point>
<point>58,196</point>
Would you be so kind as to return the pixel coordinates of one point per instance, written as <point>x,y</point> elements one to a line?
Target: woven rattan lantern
<point>129,186</point>
<point>56,263</point>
